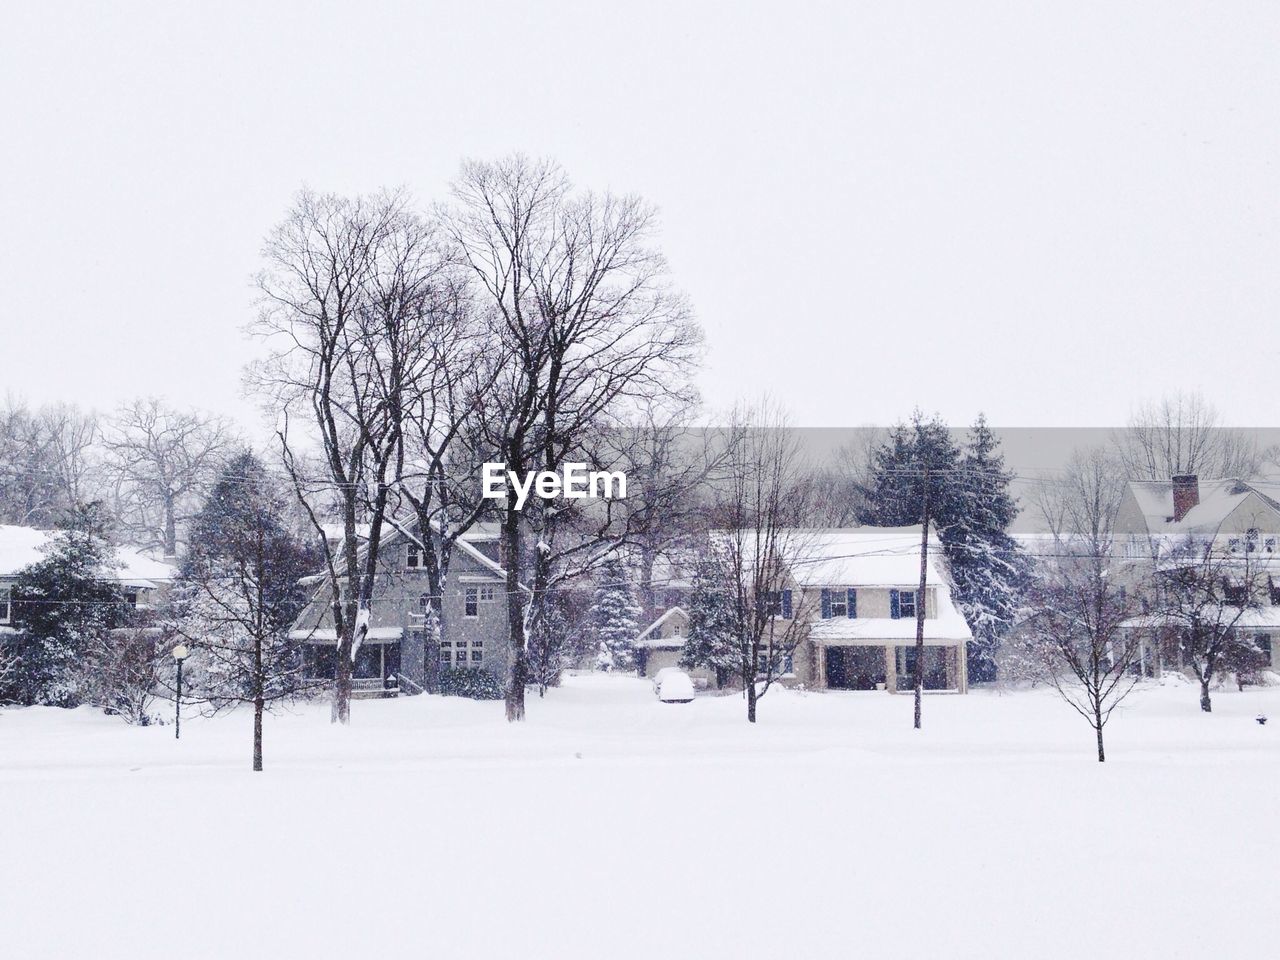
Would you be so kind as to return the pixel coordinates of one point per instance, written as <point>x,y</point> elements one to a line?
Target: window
<point>130,598</point>
<point>473,596</point>
<point>5,605</point>
<point>1233,544</point>
<point>1251,540</point>
<point>839,603</point>
<point>906,603</point>
<point>1236,594</point>
<point>1269,545</point>
<point>777,603</point>
<point>413,557</point>
<point>677,630</point>
<point>486,593</point>
<point>453,654</point>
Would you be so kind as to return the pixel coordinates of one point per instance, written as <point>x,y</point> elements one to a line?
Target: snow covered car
<point>674,686</point>
<point>664,672</point>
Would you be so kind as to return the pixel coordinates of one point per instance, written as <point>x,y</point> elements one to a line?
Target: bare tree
<point>340,296</point>
<point>670,468</point>
<point>162,462</point>
<point>47,463</point>
<point>1209,595</point>
<point>452,367</point>
<point>1183,434</point>
<point>1080,628</point>
<point>758,542</point>
<point>578,300</point>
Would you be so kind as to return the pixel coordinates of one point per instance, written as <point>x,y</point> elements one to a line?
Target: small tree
<point>711,642</point>
<point>1081,629</point>
<point>759,538</point>
<point>616,617</point>
<point>240,593</point>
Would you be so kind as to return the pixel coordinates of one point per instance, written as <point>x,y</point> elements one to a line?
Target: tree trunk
<point>170,527</point>
<point>258,706</point>
<point>1205,704</point>
<point>752,697</point>
<point>922,599</point>
<point>1097,726</point>
<point>259,683</point>
<point>341,711</point>
<point>515,616</point>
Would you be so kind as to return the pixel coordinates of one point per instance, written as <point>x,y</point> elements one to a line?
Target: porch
<point>375,671</point>
<point>890,666</point>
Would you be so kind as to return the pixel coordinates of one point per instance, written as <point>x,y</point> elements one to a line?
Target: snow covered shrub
<point>64,609</point>
<point>127,664</point>
<point>616,616</point>
<point>475,683</point>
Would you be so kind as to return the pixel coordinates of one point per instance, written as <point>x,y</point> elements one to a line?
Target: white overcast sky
<point>1045,211</point>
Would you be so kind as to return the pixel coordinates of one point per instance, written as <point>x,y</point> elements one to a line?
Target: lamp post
<point>179,654</point>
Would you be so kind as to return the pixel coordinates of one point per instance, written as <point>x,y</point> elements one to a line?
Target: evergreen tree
<point>897,491</point>
<point>989,570</point>
<point>65,607</point>
<point>971,507</point>
<point>711,642</point>
<point>239,594</point>
<point>616,617</point>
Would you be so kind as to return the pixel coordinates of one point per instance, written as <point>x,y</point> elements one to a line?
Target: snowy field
<point>610,825</point>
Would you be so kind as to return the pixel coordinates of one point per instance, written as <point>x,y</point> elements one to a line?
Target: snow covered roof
<point>23,546</point>
<point>859,556</point>
<point>329,635</point>
<point>1218,500</point>
<point>1252,618</point>
<point>657,642</point>
<point>947,629</point>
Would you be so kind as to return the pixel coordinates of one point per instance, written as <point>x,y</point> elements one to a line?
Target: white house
<point>857,588</point>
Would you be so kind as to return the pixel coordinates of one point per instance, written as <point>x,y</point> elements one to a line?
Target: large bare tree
<point>49,462</point>
<point>162,462</point>
<point>345,283</point>
<point>578,298</point>
<point>1182,433</point>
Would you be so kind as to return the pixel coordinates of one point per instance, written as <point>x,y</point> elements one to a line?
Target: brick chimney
<point>1186,494</point>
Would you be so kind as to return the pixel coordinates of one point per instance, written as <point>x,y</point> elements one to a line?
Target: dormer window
<point>413,557</point>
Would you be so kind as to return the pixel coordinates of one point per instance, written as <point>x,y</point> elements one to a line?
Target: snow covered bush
<point>475,683</point>
<point>616,617</point>
<point>64,609</point>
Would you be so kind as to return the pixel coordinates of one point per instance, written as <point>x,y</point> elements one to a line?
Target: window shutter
<point>826,604</point>
<point>852,609</point>
<point>894,611</point>
<point>786,604</point>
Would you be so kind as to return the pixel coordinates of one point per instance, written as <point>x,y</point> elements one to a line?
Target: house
<point>1238,521</point>
<point>857,589</point>
<point>661,644</point>
<point>142,579</point>
<point>394,652</point>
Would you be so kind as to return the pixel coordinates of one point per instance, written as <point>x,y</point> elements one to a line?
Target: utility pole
<point>921,595</point>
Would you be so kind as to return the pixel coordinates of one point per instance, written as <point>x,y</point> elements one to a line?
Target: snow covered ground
<point>610,825</point>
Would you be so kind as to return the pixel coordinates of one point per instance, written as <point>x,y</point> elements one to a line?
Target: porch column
<point>820,665</point>
<point>891,668</point>
<point>962,665</point>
